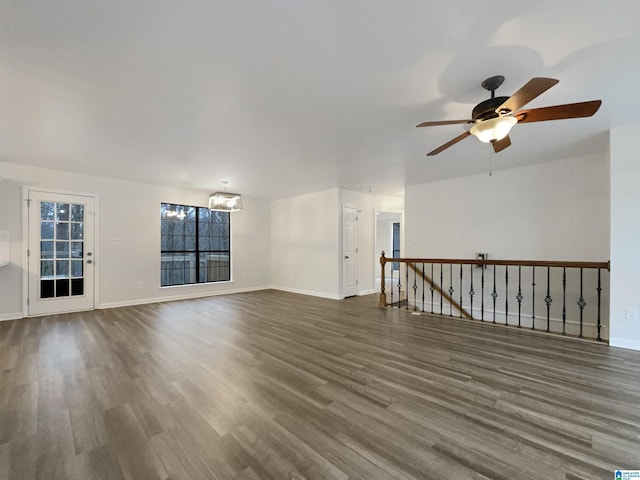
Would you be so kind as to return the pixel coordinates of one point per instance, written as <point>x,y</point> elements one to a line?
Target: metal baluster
<point>581,303</point>
<point>423,286</point>
<point>451,289</point>
<point>506,294</point>
<point>460,291</point>
<point>399,286</point>
<point>471,292</point>
<point>533,299</point>
<point>415,289</point>
<point>406,278</point>
<point>494,293</point>
<point>519,297</point>
<point>431,288</point>
<point>564,300</point>
<point>441,284</point>
<point>547,299</point>
<point>599,289</point>
<point>482,294</point>
<point>391,286</point>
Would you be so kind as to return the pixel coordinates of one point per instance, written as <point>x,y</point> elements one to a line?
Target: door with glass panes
<point>61,260</point>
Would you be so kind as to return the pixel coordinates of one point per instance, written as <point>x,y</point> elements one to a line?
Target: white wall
<point>305,248</point>
<point>625,235</point>
<point>128,248</point>
<point>11,275</point>
<point>553,211</point>
<point>306,240</point>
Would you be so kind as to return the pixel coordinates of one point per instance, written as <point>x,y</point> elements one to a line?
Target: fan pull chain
<point>490,159</point>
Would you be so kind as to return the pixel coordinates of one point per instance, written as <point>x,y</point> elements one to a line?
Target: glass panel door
<point>60,253</point>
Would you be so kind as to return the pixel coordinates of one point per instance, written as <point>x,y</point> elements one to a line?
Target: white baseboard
<point>623,343</point>
<point>185,296</point>
<point>367,292</point>
<point>308,292</point>
<point>11,316</point>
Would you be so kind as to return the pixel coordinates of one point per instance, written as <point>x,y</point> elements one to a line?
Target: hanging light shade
<point>225,202</point>
<point>493,129</point>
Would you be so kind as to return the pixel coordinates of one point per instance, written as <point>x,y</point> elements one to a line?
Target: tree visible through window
<point>195,245</point>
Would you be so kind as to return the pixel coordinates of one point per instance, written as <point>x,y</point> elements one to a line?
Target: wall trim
<point>370,291</point>
<point>330,296</point>
<point>186,296</point>
<point>11,316</point>
<point>624,343</point>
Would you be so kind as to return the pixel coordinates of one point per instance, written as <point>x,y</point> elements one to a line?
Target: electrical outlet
<point>139,285</point>
<point>631,314</point>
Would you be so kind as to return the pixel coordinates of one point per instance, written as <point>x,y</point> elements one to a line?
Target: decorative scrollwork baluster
<point>406,278</point>
<point>431,288</point>
<point>599,290</point>
<point>548,300</point>
<point>399,286</point>
<point>581,304</point>
<point>506,294</point>
<point>450,289</point>
<point>482,294</point>
<point>441,285</point>
<point>415,290</point>
<point>519,296</point>
<point>494,294</point>
<point>460,290</point>
<point>533,298</point>
<point>564,301</point>
<point>422,286</point>
<point>471,292</point>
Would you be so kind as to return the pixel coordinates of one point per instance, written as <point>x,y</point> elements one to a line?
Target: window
<point>195,245</point>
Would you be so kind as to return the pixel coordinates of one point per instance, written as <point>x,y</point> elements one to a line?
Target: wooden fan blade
<point>533,88</point>
<point>443,122</point>
<point>500,145</point>
<point>559,112</point>
<point>460,137</point>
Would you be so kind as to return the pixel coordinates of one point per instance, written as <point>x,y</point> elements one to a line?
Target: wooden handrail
<point>516,263</point>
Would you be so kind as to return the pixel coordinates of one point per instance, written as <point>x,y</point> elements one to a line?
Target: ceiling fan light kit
<point>493,129</point>
<point>494,118</point>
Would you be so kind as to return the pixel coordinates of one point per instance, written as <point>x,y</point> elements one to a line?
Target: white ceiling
<point>283,97</point>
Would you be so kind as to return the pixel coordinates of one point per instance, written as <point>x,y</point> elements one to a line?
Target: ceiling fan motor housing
<point>487,109</point>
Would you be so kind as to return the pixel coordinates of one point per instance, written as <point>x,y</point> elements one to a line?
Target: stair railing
<point>569,298</point>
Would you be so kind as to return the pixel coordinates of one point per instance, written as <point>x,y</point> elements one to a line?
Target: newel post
<point>383,296</point>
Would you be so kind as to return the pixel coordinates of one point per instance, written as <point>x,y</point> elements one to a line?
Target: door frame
<point>377,247</point>
<point>357,255</point>
<point>25,240</point>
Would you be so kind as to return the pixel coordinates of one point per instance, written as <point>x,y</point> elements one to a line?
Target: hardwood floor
<point>272,385</point>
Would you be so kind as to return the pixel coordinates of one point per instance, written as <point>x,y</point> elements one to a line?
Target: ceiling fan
<point>493,119</point>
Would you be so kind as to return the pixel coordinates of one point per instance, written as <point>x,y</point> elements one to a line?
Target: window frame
<point>197,252</point>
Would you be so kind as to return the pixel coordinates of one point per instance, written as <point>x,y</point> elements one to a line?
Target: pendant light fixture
<point>225,201</point>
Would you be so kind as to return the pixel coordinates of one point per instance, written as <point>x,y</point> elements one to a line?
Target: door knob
<point>89,261</point>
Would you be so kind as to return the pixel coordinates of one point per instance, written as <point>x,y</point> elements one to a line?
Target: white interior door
<point>60,254</point>
<point>349,251</point>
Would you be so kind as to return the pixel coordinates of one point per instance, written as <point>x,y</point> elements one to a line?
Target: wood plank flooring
<point>272,385</point>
